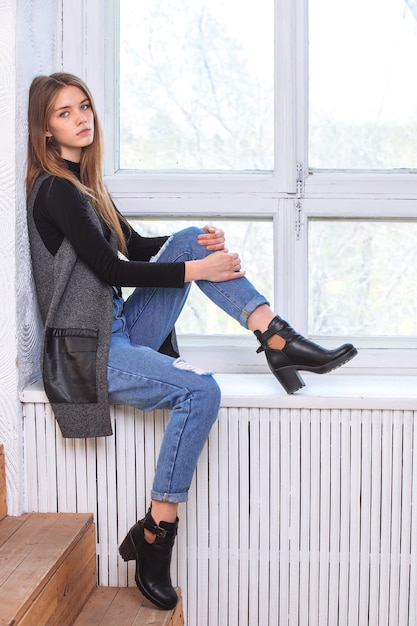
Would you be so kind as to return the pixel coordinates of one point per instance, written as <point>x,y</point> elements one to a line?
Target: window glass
<point>196,85</point>
<point>363,93</point>
<point>252,240</point>
<point>362,278</point>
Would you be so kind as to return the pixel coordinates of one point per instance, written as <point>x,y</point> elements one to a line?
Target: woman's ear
<point>48,133</point>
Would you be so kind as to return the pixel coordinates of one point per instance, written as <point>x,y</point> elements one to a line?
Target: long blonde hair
<point>44,153</point>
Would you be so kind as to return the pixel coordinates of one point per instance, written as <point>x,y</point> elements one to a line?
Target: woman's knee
<point>188,240</point>
<point>209,400</point>
<point>193,231</point>
<point>214,392</point>
<point>204,388</point>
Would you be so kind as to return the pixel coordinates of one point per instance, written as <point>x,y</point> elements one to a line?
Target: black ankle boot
<point>299,354</point>
<point>153,560</point>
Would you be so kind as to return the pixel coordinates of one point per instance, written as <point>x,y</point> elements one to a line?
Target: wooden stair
<point>111,606</point>
<point>48,574</point>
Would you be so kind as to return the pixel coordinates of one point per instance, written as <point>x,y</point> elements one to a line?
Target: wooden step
<point>47,567</point>
<point>111,606</point>
<point>48,575</point>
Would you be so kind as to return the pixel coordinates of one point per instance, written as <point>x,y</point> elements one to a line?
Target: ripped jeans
<point>139,376</point>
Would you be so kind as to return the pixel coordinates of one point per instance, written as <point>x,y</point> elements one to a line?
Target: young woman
<point>99,348</point>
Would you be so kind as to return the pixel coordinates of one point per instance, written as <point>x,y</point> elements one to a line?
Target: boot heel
<point>290,379</point>
<point>127,549</point>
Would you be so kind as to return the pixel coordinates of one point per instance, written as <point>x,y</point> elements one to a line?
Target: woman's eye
<point>64,114</point>
<point>84,107</point>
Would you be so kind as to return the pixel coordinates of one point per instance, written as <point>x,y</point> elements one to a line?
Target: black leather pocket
<point>69,365</point>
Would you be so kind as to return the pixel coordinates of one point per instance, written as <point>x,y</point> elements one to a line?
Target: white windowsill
<point>321,392</point>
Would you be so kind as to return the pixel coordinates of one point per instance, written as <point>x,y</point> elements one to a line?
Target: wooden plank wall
<point>296,516</point>
<point>3,502</point>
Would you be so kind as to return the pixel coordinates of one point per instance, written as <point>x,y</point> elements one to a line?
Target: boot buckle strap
<point>154,529</point>
<point>260,338</point>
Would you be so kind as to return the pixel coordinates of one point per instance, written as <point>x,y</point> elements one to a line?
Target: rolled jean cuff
<point>253,304</point>
<point>169,497</point>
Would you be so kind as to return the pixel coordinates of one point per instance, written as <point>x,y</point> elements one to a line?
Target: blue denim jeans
<point>139,376</point>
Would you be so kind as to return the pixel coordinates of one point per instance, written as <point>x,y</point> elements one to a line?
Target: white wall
<point>301,511</point>
<point>30,44</point>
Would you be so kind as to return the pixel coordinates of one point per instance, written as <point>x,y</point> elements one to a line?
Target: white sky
<point>362,56</point>
<point>249,23</point>
<point>362,52</point>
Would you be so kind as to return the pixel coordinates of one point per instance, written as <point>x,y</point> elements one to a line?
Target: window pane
<point>363,93</point>
<point>363,278</point>
<point>196,85</point>
<point>254,243</point>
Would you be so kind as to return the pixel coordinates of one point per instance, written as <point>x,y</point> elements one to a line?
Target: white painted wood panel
<point>29,45</point>
<point>296,516</point>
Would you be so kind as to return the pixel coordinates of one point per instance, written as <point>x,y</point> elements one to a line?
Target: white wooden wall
<point>296,516</point>
<point>30,42</point>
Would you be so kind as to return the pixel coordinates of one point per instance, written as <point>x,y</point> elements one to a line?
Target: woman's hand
<point>216,267</point>
<point>213,239</point>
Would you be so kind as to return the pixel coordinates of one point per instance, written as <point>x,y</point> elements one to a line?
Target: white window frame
<point>285,197</point>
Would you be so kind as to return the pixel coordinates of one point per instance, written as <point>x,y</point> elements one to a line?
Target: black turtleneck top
<point>60,212</point>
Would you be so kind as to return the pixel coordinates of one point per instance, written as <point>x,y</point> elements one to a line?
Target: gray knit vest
<point>71,296</point>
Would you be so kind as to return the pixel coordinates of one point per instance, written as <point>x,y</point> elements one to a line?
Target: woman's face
<point>71,123</point>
